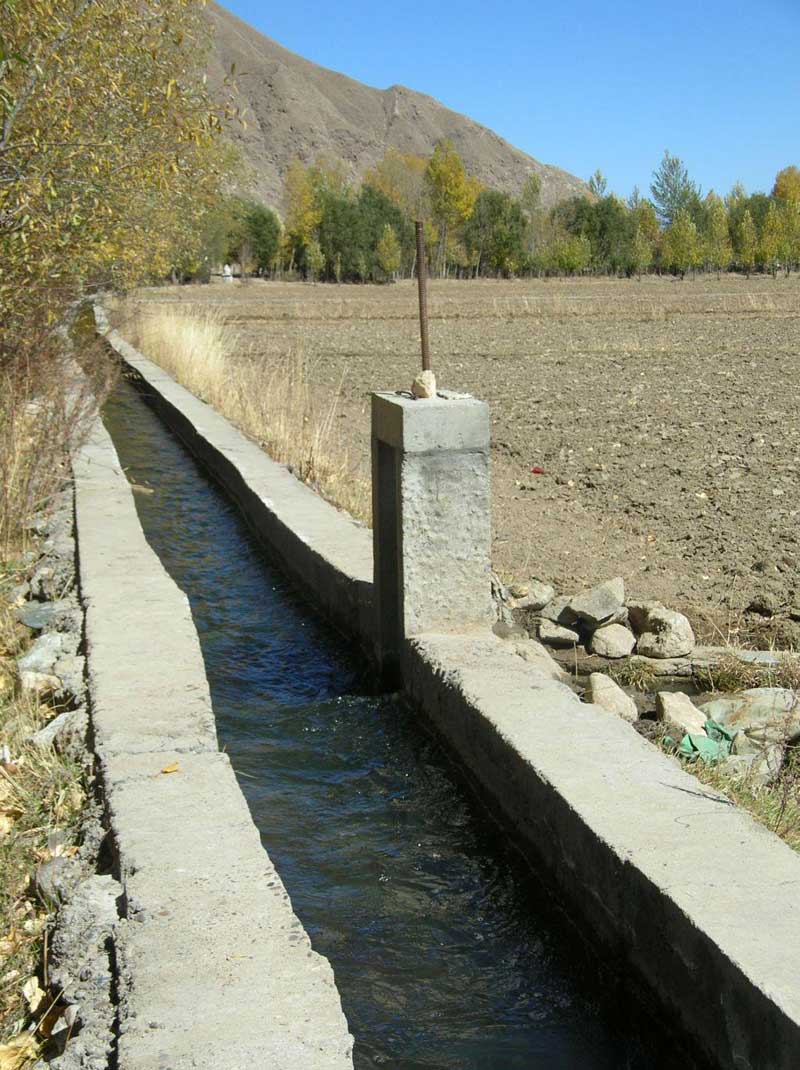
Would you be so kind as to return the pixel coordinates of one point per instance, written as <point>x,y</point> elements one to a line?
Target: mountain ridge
<point>298,109</point>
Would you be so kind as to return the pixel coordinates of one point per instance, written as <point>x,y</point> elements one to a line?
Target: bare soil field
<point>663,415</point>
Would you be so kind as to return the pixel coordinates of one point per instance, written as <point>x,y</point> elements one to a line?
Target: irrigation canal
<point>442,941</point>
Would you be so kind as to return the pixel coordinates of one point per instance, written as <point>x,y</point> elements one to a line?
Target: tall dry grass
<point>47,402</point>
<point>276,406</point>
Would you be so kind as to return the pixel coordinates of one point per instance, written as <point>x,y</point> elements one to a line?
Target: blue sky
<point>586,84</point>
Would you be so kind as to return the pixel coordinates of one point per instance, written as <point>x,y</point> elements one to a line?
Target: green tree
<point>264,234</point>
<point>672,189</point>
<point>746,243</point>
<point>388,252</point>
<point>495,233</point>
<point>641,251</point>
<point>315,260</point>
<point>681,249</point>
<point>598,184</point>
<point>718,249</point>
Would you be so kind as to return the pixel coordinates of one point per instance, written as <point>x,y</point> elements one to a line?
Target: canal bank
<point>622,831</point>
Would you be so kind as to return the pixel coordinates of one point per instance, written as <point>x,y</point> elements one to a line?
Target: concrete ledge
<point>214,969</point>
<point>685,890</point>
<point>325,552</point>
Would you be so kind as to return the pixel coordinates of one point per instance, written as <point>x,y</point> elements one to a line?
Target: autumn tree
<point>771,246</point>
<point>453,193</point>
<point>717,240</point>
<point>108,147</point>
<point>400,177</point>
<point>388,252</point>
<point>302,212</point>
<point>787,185</point>
<point>746,242</point>
<point>681,249</point>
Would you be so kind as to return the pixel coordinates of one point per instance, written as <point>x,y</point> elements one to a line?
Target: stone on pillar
<point>431,519</point>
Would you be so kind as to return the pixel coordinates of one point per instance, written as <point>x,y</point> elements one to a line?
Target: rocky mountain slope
<point>296,108</point>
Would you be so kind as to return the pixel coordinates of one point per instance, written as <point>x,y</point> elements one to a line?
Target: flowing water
<point>443,944</point>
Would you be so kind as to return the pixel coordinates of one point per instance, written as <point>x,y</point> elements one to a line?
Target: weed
<point>633,673</point>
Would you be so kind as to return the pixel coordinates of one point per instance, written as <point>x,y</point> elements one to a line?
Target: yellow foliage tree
<point>401,177</point>
<point>787,185</point>
<point>108,147</point>
<point>453,192</point>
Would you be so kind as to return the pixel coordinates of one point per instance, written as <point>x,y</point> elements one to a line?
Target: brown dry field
<point>663,413</point>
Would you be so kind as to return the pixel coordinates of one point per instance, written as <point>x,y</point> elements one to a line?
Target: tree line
<point>333,230</point>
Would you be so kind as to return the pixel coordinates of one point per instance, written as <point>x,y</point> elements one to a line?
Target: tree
<point>453,193</point>
<point>641,251</point>
<point>681,249</point>
<point>773,238</point>
<point>388,252</point>
<point>598,184</point>
<point>531,195</point>
<point>718,250</point>
<point>108,148</point>
<point>315,260</point>
<point>264,232</point>
<point>302,212</point>
<point>787,185</point>
<point>400,177</point>
<point>746,242</point>
<point>495,233</point>
<point>672,189</point>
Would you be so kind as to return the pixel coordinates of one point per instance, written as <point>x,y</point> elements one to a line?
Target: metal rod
<point>422,281</point>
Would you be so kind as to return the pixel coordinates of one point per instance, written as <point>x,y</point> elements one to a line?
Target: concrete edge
<point>213,966</point>
<point>326,553</point>
<point>621,829</point>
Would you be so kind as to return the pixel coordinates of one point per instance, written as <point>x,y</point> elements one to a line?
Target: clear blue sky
<point>586,84</point>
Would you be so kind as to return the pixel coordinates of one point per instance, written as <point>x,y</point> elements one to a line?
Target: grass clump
<point>731,674</point>
<point>633,673</point>
<point>41,793</point>
<point>275,405</point>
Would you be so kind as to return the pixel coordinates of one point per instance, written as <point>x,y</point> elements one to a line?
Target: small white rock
<point>679,708</point>
<point>424,386</point>
<point>669,635</point>
<point>612,641</point>
<point>556,635</point>
<point>603,692</point>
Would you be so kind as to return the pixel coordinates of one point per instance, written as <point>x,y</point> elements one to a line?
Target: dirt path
<point>664,415</point>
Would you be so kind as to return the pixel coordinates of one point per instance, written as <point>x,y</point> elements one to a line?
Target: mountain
<point>295,108</point>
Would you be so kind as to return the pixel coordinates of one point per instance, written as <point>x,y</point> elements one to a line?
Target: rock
<point>503,630</point>
<point>424,386</point>
<point>66,732</point>
<point>663,666</point>
<point>36,615</point>
<point>743,744</point>
<point>639,610</point>
<point>681,711</point>
<point>55,879</point>
<point>42,655</point>
<point>767,766</point>
<point>765,714</point>
<point>557,635</point>
<point>559,611</point>
<point>599,604</point>
<point>669,635</point>
<point>518,590</point>
<point>612,641</point>
<point>39,683</point>
<point>537,596</point>
<point>603,692</point>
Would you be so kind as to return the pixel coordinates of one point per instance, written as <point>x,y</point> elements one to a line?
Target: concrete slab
<point>215,970</point>
<point>686,890</point>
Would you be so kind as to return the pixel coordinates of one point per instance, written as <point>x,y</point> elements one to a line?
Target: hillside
<point>296,108</point>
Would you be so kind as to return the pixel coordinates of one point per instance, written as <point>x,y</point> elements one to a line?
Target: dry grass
<point>40,794</point>
<point>777,805</point>
<point>731,674</point>
<point>45,408</point>
<point>275,406</point>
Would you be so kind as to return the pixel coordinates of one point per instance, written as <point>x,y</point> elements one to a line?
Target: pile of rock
<point>52,668</point>
<point>602,621</point>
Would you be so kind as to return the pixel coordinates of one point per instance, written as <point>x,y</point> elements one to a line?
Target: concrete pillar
<point>431,519</point>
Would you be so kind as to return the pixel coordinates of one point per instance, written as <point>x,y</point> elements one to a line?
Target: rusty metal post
<point>422,281</point>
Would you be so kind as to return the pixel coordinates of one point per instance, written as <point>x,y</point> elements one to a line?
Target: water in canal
<point>444,950</point>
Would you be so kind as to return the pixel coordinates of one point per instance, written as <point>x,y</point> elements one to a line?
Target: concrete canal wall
<point>213,969</point>
<point>689,897</point>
